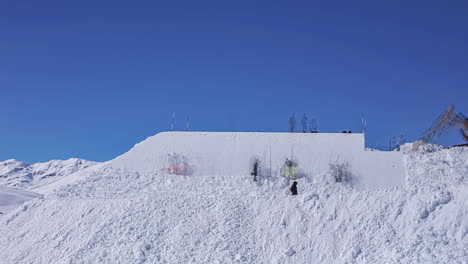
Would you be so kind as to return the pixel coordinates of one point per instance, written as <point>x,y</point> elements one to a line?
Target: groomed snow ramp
<point>231,154</point>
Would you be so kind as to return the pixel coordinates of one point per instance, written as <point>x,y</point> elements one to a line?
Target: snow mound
<point>421,147</point>
<point>441,169</point>
<point>19,174</point>
<point>123,213</point>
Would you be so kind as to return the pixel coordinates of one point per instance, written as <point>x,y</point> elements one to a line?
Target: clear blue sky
<point>90,79</point>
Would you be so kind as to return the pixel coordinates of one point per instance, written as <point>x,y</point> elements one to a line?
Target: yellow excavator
<point>448,119</point>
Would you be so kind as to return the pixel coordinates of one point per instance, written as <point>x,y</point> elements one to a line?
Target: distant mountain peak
<point>20,174</point>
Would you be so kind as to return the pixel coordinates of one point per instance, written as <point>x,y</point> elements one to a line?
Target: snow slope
<point>122,214</point>
<point>20,182</point>
<point>22,175</point>
<point>11,198</point>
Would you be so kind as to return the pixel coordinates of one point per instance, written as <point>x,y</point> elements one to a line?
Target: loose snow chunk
<point>140,249</point>
<point>310,197</point>
<point>290,252</point>
<point>241,258</point>
<point>442,198</point>
<point>355,252</point>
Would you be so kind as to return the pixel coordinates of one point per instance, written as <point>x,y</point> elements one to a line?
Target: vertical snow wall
<point>231,154</point>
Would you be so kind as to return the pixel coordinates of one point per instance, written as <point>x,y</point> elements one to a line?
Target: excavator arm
<point>448,119</point>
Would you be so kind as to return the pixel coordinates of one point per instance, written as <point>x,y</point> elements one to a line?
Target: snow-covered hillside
<point>11,198</point>
<point>20,182</point>
<point>15,173</point>
<point>114,214</point>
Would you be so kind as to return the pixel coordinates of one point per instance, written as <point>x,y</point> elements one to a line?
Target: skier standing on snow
<point>293,188</point>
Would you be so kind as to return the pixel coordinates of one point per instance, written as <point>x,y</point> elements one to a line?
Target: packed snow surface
<point>230,154</point>
<point>117,213</point>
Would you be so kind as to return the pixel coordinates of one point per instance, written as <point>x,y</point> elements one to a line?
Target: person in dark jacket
<point>255,170</point>
<point>294,188</point>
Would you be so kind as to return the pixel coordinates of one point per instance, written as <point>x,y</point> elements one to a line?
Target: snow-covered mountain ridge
<point>19,174</point>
